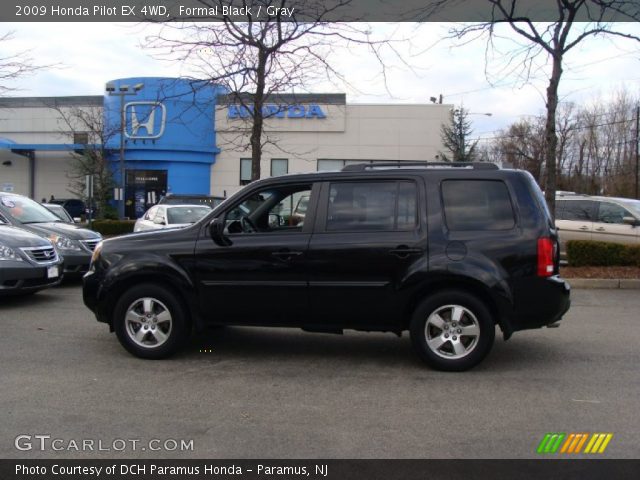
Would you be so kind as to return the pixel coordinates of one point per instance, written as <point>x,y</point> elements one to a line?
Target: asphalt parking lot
<point>258,393</point>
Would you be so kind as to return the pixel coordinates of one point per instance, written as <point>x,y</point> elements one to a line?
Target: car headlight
<point>7,253</point>
<point>64,243</point>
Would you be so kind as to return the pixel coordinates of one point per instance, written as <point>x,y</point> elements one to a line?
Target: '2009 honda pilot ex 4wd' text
<point>444,251</point>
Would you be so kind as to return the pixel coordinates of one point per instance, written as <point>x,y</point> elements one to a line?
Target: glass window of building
<point>279,166</point>
<point>245,171</point>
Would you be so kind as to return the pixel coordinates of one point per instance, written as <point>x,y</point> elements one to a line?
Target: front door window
<point>276,209</point>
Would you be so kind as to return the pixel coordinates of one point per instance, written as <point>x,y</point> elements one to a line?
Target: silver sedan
<point>170,216</point>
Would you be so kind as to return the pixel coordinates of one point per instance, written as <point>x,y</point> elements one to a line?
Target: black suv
<point>444,251</point>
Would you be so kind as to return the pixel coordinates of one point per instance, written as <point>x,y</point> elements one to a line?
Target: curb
<point>608,283</point>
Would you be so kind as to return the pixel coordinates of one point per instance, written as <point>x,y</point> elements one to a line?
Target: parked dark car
<point>74,243</point>
<point>190,199</point>
<point>28,262</point>
<point>74,206</point>
<point>444,251</point>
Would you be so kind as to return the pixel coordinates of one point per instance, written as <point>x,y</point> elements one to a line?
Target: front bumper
<point>23,277</point>
<point>91,293</point>
<point>76,263</point>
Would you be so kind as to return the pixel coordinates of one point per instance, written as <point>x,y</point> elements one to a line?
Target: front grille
<point>90,244</point>
<point>42,255</point>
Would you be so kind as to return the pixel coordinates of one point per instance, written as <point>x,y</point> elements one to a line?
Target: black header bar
<point>295,10</point>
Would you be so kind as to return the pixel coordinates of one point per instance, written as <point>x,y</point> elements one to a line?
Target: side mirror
<point>216,231</point>
<point>631,221</point>
<point>159,221</point>
<point>77,219</point>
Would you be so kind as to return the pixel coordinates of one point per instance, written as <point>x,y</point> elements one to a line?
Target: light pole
<point>637,141</point>
<point>123,91</point>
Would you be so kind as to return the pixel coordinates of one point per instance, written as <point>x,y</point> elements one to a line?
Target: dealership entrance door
<point>143,188</point>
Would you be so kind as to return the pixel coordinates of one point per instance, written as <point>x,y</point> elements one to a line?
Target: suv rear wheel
<point>452,330</point>
<point>149,321</point>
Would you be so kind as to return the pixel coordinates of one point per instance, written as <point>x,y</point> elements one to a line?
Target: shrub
<point>581,253</point>
<point>113,227</point>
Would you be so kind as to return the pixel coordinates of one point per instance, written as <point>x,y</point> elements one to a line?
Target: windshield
<point>25,210</point>
<point>60,212</point>
<point>633,205</point>
<point>186,214</point>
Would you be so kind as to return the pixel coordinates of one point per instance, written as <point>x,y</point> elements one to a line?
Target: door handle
<point>584,227</point>
<point>285,255</point>
<point>404,251</point>
<point>601,229</point>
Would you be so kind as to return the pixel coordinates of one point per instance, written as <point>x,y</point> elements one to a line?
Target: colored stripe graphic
<point>573,443</point>
<point>551,442</point>
<point>598,442</point>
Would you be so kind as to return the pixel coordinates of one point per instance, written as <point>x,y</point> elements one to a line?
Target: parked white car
<point>170,216</point>
<point>603,219</point>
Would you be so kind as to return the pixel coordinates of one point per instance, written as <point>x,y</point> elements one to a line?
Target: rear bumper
<point>540,302</point>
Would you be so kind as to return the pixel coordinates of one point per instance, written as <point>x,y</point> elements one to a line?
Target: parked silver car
<point>604,219</point>
<point>170,216</point>
<point>28,262</point>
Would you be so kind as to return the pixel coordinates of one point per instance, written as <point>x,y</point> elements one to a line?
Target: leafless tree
<point>575,21</point>
<point>258,58</point>
<point>596,146</point>
<point>14,66</point>
<point>521,145</point>
<point>92,159</point>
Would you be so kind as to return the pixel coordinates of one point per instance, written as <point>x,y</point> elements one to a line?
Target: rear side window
<point>477,205</point>
<point>372,206</point>
<point>580,210</point>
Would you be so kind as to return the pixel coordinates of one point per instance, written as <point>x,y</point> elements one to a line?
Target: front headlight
<point>64,243</point>
<point>7,253</point>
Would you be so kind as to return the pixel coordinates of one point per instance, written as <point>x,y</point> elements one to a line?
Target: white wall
<point>38,125</point>
<point>370,132</point>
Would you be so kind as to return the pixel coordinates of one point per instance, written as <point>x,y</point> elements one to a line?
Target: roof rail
<point>359,167</point>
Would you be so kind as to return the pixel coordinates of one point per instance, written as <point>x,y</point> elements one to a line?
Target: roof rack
<point>359,167</point>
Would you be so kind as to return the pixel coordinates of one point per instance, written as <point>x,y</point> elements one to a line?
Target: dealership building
<point>182,136</point>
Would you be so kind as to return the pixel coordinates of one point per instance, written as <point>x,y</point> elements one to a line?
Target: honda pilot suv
<point>445,251</point>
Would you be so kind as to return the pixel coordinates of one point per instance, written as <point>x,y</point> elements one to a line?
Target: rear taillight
<point>545,257</point>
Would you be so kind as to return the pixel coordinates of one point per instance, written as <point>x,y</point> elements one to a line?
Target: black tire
<point>473,317</point>
<point>175,332</point>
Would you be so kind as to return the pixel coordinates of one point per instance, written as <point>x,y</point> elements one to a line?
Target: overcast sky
<point>90,54</point>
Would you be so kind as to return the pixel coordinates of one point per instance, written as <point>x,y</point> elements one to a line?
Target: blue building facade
<point>169,136</point>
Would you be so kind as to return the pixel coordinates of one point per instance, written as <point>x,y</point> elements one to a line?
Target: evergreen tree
<point>455,137</point>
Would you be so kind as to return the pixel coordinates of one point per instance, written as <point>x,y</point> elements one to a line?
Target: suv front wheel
<point>150,321</point>
<point>452,330</point>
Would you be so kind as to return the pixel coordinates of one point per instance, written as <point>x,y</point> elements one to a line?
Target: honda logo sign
<point>147,120</point>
